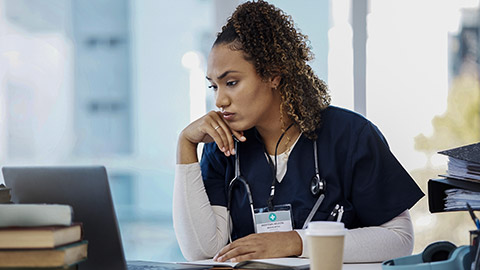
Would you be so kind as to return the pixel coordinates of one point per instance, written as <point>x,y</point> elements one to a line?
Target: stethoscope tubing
<point>238,177</point>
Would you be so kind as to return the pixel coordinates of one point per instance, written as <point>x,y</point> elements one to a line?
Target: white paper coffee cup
<point>325,240</point>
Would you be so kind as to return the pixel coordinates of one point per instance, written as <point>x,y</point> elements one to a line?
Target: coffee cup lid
<point>326,228</point>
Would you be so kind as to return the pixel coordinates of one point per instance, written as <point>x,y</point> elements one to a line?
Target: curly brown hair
<point>273,45</point>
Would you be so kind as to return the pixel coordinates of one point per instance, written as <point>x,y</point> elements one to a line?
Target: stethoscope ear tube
<point>247,188</point>
<point>242,180</point>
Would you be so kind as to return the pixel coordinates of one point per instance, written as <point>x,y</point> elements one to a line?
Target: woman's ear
<point>275,81</point>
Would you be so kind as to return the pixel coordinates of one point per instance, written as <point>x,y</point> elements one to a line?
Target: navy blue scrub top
<point>361,174</point>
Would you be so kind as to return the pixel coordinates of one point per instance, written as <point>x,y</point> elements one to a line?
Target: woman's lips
<point>228,116</point>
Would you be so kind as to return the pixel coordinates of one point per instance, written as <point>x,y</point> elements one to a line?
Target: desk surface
<point>355,266</point>
<point>139,265</point>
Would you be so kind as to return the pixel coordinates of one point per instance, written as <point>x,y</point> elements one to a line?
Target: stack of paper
<point>457,199</point>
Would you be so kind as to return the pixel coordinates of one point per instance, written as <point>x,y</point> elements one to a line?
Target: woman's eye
<point>214,87</point>
<point>231,83</point>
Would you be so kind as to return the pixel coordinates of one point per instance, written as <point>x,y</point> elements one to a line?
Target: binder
<point>464,162</point>
<point>463,173</point>
<point>469,153</point>
<point>436,192</point>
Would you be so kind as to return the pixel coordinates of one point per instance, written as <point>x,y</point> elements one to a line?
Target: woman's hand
<point>262,246</point>
<point>211,127</point>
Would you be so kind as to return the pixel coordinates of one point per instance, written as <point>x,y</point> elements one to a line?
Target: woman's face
<point>243,97</point>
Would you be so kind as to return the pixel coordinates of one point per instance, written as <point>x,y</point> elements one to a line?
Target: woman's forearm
<point>201,229</point>
<point>375,244</point>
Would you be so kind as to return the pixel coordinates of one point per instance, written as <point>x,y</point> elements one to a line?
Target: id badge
<point>278,220</point>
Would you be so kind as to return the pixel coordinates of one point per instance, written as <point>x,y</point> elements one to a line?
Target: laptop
<point>86,189</point>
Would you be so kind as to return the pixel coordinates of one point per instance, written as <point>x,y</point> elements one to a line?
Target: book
<point>5,196</point>
<point>274,263</point>
<point>63,256</point>
<point>26,215</point>
<point>39,237</point>
<point>68,267</point>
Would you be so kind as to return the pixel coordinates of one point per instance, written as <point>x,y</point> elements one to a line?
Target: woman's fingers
<point>262,245</point>
<point>241,249</point>
<point>239,135</point>
<point>238,254</point>
<point>212,127</point>
<point>231,250</point>
<point>209,128</point>
<point>225,142</point>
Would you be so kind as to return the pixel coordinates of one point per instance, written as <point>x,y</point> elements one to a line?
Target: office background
<point>113,82</point>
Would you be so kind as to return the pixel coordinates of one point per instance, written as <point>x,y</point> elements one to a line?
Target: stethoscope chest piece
<point>317,185</point>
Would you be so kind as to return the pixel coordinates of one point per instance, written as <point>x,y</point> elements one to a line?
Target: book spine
<point>28,215</point>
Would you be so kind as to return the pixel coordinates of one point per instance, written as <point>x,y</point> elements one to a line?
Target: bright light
<point>466,3</point>
<point>340,55</point>
<point>191,60</point>
<point>198,104</point>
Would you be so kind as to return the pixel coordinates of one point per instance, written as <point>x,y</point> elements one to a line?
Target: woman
<point>301,158</point>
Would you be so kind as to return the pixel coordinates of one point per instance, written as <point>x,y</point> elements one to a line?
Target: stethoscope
<point>317,185</point>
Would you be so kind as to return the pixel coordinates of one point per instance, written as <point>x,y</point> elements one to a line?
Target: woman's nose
<point>221,98</point>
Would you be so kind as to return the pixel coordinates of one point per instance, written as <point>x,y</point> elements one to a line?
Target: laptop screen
<point>86,189</point>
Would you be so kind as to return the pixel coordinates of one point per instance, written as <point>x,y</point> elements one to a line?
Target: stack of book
<point>461,182</point>
<point>40,236</point>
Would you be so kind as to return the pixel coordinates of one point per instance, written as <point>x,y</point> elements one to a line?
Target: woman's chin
<point>239,127</point>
